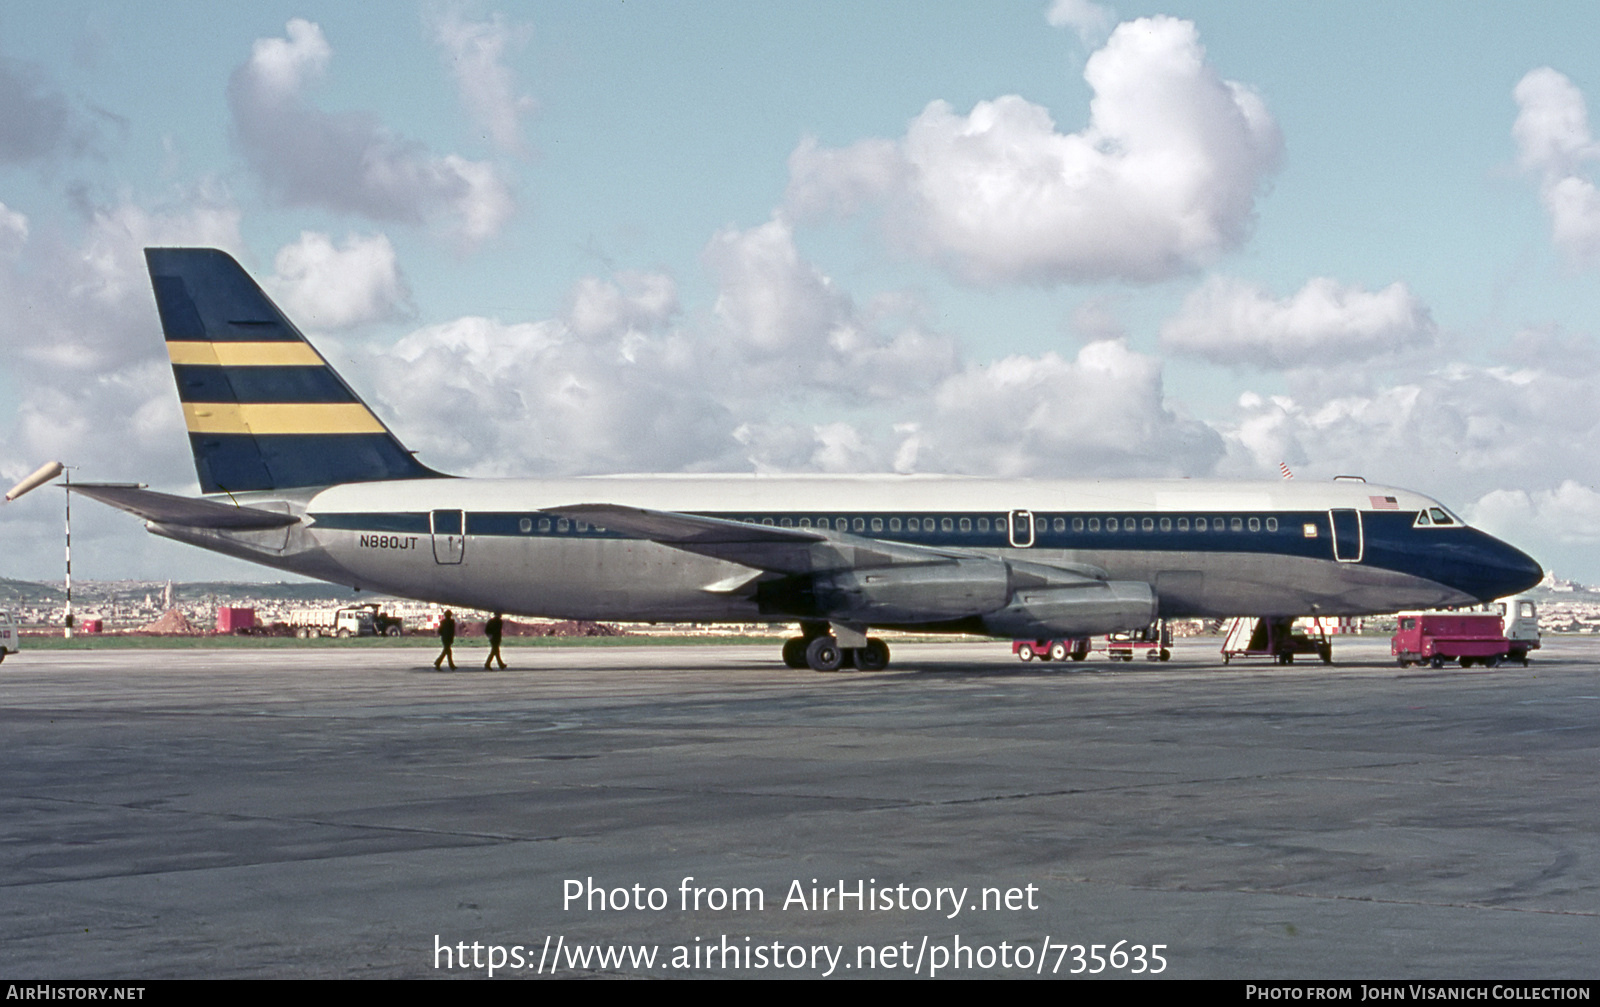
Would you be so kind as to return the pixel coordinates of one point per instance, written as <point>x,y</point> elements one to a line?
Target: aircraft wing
<point>800,550</point>
<point>188,512</point>
<point>764,547</point>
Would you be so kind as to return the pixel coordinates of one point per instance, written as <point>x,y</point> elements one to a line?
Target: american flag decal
<point>1384,503</point>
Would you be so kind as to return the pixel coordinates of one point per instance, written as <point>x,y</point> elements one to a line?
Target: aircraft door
<point>449,535</point>
<point>1022,529</point>
<point>1349,540</point>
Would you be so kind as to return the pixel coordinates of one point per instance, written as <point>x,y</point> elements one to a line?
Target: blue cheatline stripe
<point>401,521</point>
<point>1390,539</point>
<point>198,383</point>
<point>241,462</point>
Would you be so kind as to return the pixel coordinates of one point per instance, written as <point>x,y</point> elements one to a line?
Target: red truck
<point>1486,639</point>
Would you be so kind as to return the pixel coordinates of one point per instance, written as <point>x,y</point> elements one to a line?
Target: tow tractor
<point>1075,647</point>
<point>1484,638</point>
<point>1154,642</point>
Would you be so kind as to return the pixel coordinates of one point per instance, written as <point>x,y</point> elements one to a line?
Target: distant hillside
<point>87,592</point>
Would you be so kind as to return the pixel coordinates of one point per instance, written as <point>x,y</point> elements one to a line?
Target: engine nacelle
<point>1080,610</point>
<point>913,594</point>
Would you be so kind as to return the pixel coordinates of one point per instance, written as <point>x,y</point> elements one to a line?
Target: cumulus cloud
<point>1161,180</point>
<point>475,52</point>
<point>13,230</point>
<point>1090,20</point>
<point>1103,412</point>
<point>1229,321</point>
<point>608,387</point>
<point>329,287</point>
<point>349,162</point>
<point>1461,429</point>
<point>788,325</point>
<point>622,380</point>
<point>37,122</point>
<point>1568,514</point>
<point>1554,142</point>
<point>83,346</point>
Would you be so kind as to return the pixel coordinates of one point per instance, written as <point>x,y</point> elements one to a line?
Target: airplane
<point>299,474</point>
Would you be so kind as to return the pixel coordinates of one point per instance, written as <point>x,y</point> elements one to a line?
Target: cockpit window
<point>1437,517</point>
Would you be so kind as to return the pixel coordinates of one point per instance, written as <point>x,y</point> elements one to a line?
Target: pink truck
<point>1486,639</point>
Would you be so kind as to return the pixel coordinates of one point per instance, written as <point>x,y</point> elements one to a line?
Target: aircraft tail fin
<point>264,410</point>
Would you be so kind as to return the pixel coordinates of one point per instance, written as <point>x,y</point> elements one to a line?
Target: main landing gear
<point>821,650</point>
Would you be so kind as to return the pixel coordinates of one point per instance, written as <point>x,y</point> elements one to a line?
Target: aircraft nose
<point>1496,569</point>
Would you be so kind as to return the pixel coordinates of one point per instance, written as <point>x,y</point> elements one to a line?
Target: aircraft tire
<point>824,654</point>
<point>1058,651</point>
<point>1166,655</point>
<point>1025,652</point>
<point>874,656</point>
<point>794,652</point>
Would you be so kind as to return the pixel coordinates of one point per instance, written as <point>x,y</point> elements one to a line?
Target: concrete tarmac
<point>333,813</point>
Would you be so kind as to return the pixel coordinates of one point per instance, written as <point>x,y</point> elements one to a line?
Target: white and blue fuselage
<point>1208,548</point>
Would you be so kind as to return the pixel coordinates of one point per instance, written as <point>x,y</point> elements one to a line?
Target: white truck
<point>340,622</point>
<point>8,635</point>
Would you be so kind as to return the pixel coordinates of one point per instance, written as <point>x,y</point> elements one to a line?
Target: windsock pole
<point>67,630</point>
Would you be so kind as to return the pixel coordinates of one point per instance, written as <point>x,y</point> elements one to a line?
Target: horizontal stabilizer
<point>165,508</point>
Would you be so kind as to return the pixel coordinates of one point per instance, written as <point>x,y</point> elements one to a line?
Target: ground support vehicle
<point>382,623</point>
<point>1074,647</point>
<point>1275,638</point>
<point>8,635</point>
<point>345,622</point>
<point>1154,642</point>
<point>1467,638</point>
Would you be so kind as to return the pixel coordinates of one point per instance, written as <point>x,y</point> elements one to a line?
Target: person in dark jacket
<point>447,636</point>
<point>493,630</point>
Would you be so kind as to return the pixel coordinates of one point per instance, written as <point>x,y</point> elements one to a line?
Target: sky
<point>1041,239</point>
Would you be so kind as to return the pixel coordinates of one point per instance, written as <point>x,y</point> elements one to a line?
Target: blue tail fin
<point>265,411</point>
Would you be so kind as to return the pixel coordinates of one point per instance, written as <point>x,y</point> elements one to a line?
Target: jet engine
<point>912,594</point>
<point>1083,609</point>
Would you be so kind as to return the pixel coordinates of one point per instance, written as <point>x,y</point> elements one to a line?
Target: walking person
<point>493,629</point>
<point>447,636</point>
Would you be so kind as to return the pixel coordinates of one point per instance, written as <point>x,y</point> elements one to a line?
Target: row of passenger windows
<point>560,525</point>
<point>969,524</point>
